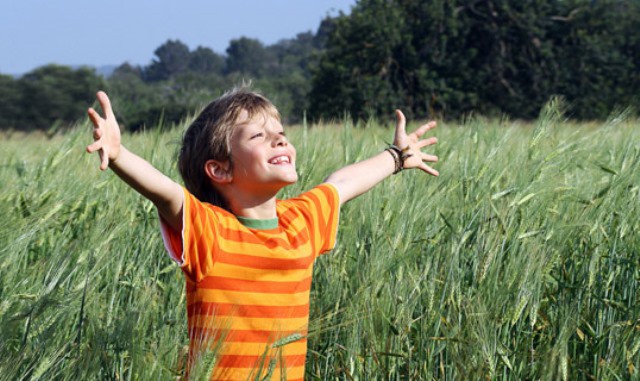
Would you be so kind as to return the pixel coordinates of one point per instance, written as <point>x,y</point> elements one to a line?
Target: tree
<point>247,56</point>
<point>126,70</point>
<point>56,93</point>
<point>173,57</point>
<point>206,61</point>
<point>357,72</point>
<point>289,76</point>
<point>598,43</point>
<point>10,98</point>
<point>452,57</point>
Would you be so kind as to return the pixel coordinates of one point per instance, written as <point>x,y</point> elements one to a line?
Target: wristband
<point>399,156</point>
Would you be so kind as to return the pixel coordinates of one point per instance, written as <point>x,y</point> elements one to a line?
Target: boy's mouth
<point>280,160</point>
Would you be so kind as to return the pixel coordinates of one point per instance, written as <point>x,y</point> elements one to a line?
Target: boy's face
<point>263,159</point>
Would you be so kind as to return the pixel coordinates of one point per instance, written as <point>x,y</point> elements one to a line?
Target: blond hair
<point>209,138</point>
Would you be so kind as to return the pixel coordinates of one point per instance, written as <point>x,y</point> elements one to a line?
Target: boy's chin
<point>283,182</point>
<point>291,180</point>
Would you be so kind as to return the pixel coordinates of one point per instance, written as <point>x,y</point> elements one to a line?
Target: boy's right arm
<point>166,194</point>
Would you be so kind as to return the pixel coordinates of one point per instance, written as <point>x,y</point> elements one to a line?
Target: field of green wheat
<point>520,262</point>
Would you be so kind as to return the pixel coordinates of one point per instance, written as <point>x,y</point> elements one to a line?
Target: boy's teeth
<point>279,160</point>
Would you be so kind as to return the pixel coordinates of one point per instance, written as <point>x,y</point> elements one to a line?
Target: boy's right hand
<point>106,132</point>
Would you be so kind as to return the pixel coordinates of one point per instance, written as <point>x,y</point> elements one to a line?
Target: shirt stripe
<point>233,284</point>
<point>222,309</point>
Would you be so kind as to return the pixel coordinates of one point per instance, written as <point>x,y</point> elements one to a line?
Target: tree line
<point>440,58</point>
<point>175,83</point>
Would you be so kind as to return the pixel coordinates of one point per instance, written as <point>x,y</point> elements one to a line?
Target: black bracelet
<point>399,156</point>
<point>396,153</point>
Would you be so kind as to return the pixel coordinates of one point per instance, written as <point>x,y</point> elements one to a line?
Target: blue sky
<point>75,32</point>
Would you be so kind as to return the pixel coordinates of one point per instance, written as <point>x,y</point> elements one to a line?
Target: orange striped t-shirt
<point>248,286</point>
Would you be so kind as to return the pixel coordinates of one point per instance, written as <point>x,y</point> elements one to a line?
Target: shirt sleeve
<point>193,248</point>
<point>321,209</point>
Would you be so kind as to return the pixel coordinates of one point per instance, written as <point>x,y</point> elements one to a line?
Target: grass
<point>521,261</point>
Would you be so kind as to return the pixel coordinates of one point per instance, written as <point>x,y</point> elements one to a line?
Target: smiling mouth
<point>280,160</point>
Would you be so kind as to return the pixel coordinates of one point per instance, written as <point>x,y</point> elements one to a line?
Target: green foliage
<point>279,70</point>
<point>10,112</point>
<point>519,262</point>
<point>206,61</point>
<point>450,58</point>
<point>247,56</point>
<point>45,96</point>
<point>433,59</point>
<point>139,104</point>
<point>173,58</point>
<point>358,70</point>
<point>598,45</point>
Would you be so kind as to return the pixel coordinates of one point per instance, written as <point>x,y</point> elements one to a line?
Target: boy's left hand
<point>413,144</point>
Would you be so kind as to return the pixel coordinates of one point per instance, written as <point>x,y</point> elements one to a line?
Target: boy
<point>246,256</point>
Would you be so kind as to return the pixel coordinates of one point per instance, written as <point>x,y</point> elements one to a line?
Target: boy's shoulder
<point>193,203</point>
<point>321,198</point>
<point>324,190</point>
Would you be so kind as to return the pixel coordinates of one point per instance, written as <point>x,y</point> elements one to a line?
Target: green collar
<point>257,224</point>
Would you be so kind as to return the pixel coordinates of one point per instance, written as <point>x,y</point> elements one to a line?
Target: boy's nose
<point>279,140</point>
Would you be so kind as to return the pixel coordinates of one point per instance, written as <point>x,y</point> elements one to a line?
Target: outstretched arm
<point>135,171</point>
<point>356,179</point>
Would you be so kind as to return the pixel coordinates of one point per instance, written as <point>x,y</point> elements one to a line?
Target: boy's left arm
<point>356,179</point>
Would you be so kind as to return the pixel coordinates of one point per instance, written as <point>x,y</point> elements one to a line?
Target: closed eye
<point>258,135</point>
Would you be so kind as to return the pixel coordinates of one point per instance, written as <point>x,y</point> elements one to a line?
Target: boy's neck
<point>258,208</point>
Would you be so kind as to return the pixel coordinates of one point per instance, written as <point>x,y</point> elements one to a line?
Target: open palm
<point>413,143</point>
<point>106,132</point>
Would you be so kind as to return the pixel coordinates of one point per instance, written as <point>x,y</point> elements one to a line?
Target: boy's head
<point>207,144</point>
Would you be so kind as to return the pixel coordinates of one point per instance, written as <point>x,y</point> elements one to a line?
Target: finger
<point>91,148</point>
<point>97,133</point>
<point>95,117</point>
<point>426,142</point>
<point>429,158</point>
<point>424,128</point>
<point>401,124</point>
<point>429,170</point>
<point>104,160</point>
<point>105,103</point>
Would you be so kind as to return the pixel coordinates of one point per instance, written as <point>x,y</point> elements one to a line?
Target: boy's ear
<point>218,171</point>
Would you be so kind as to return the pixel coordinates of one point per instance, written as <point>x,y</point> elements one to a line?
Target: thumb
<point>401,124</point>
